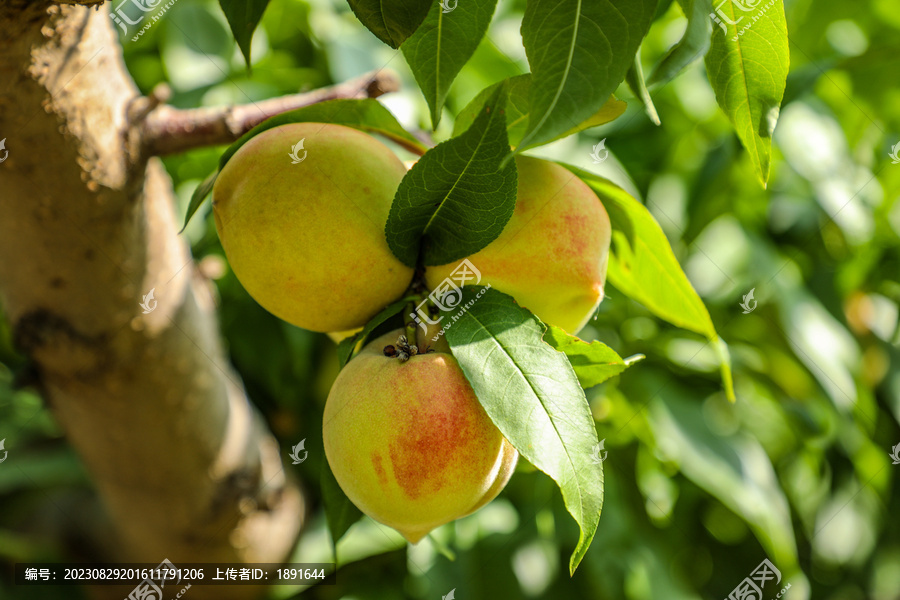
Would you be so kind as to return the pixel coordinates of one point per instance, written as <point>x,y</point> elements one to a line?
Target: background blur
<point>698,491</point>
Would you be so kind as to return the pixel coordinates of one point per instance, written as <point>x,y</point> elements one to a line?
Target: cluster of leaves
<point>579,52</point>
<point>555,100</point>
<point>700,490</point>
<point>460,194</point>
<point>455,201</point>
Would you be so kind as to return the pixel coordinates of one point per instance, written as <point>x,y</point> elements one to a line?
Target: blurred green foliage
<point>698,491</point>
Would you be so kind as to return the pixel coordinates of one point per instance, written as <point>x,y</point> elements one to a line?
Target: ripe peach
<point>409,442</point>
<point>307,239</point>
<point>553,253</point>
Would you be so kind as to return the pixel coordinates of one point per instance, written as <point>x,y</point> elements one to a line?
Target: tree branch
<point>167,130</point>
<point>183,462</point>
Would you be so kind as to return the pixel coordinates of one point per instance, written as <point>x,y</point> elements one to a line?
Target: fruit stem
<point>411,327</point>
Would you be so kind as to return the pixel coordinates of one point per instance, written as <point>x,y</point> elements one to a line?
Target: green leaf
<point>635,79</point>
<point>340,512</point>
<point>203,190</point>
<point>531,393</point>
<point>366,115</point>
<point>644,268</point>
<point>661,9</point>
<point>243,17</point>
<point>392,21</point>
<point>693,44</point>
<point>735,469</point>
<point>579,52</point>
<point>517,111</point>
<point>442,45</point>
<point>346,347</point>
<point>748,66</point>
<point>457,198</point>
<point>594,362</point>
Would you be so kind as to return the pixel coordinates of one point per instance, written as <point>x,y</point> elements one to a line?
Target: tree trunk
<point>182,461</point>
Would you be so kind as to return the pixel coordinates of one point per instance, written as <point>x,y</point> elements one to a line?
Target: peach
<point>409,442</point>
<point>553,253</point>
<point>306,239</point>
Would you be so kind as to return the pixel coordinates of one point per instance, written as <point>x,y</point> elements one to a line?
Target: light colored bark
<point>169,130</point>
<point>180,458</point>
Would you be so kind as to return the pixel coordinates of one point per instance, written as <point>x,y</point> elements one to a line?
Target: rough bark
<point>181,460</point>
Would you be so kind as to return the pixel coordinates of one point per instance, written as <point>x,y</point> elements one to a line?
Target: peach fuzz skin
<point>553,253</point>
<point>307,240</point>
<point>409,443</point>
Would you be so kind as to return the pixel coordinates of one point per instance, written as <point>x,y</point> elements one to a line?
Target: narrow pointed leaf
<point>643,267</point>
<point>203,190</point>
<point>532,394</point>
<point>594,362</point>
<point>748,65</point>
<point>442,45</point>
<point>346,347</point>
<point>457,198</point>
<point>693,44</point>
<point>579,52</point>
<point>635,79</point>
<point>392,21</point>
<point>243,17</point>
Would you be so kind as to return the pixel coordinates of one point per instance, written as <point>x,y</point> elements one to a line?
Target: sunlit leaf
<point>579,52</point>
<point>748,66</point>
<point>532,394</point>
<point>643,267</point>
<point>594,362</point>
<point>442,45</point>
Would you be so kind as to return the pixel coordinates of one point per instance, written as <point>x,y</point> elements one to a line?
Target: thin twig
<point>168,130</point>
